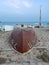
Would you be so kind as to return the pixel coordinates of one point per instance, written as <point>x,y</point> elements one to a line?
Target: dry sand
<point>32,57</point>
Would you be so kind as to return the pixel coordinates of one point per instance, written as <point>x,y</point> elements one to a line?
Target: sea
<point>24,23</point>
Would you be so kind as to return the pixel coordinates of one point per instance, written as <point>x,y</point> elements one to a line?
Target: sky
<point>23,10</point>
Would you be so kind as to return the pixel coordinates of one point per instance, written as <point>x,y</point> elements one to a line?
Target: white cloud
<point>27,4</point>
<point>16,5</point>
<point>12,3</point>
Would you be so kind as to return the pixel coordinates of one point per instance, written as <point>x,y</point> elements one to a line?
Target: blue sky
<point>23,10</point>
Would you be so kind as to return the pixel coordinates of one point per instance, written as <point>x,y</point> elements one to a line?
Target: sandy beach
<point>33,57</point>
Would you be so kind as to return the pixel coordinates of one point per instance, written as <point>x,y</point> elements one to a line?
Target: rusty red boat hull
<point>23,40</point>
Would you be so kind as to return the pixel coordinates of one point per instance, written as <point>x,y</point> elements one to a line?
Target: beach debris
<point>22,40</point>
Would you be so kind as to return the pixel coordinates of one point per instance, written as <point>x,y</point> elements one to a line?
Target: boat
<point>23,39</point>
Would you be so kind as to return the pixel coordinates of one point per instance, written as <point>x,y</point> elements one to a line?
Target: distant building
<point>7,28</point>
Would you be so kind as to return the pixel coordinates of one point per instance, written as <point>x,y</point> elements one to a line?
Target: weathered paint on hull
<point>23,40</point>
